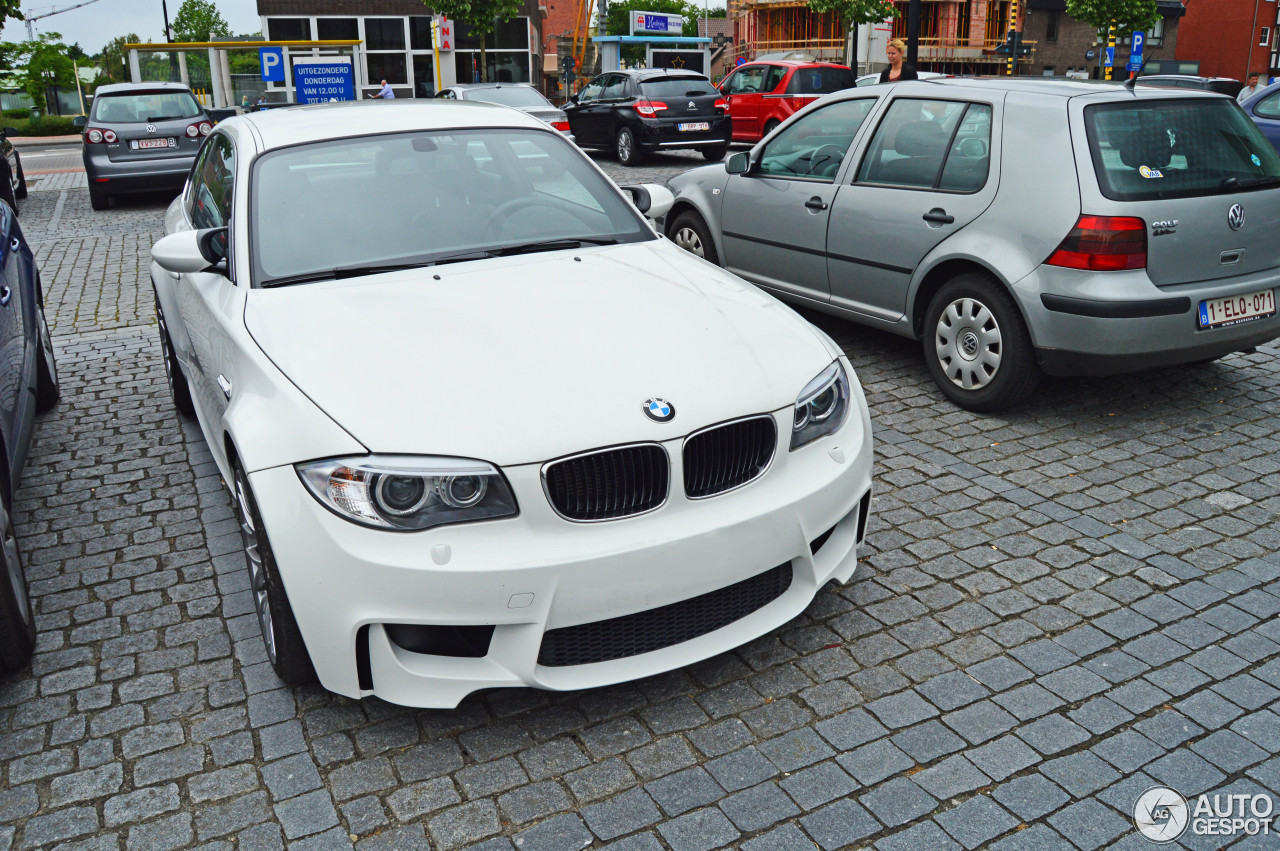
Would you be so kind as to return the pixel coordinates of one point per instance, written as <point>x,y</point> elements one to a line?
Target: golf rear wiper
<point>163,117</point>
<point>361,269</point>
<point>1232,183</point>
<point>553,245</point>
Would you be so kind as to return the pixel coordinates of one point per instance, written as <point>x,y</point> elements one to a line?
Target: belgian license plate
<point>694,126</point>
<point>1222,312</point>
<point>143,144</point>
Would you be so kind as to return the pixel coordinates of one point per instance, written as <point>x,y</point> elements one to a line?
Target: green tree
<point>480,16</point>
<point>1128,16</point>
<point>852,13</point>
<point>114,61</point>
<point>10,10</point>
<point>199,20</point>
<point>37,65</point>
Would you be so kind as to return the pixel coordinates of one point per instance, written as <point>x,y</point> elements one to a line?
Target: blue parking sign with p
<point>1139,39</point>
<point>271,59</point>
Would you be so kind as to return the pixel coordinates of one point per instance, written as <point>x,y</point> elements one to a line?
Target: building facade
<point>1062,46</point>
<point>398,46</point>
<point>1230,38</point>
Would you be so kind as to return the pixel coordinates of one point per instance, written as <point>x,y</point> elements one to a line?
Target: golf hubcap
<point>257,571</point>
<point>13,568</point>
<point>688,239</point>
<point>969,344</point>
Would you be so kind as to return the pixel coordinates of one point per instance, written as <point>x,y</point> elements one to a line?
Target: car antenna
<point>1132,82</point>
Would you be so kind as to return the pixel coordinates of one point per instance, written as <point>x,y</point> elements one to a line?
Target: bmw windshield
<point>377,203</point>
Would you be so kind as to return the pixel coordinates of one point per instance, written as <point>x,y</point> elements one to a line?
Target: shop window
<point>384,33</point>
<point>337,29</point>
<point>424,73</point>
<point>420,33</point>
<point>1051,30</point>
<point>387,66</point>
<point>288,29</point>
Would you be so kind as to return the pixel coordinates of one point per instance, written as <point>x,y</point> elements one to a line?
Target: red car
<point>765,93</point>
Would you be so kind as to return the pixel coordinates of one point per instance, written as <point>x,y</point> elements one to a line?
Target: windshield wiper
<point>1233,183</point>
<point>361,269</point>
<point>553,245</point>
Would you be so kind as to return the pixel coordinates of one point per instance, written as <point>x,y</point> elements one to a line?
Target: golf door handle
<point>938,216</point>
<point>816,203</point>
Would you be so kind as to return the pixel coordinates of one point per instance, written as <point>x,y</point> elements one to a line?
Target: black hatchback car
<point>634,112</point>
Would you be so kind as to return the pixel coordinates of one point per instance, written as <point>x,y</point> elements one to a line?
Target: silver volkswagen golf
<point>1015,227</point>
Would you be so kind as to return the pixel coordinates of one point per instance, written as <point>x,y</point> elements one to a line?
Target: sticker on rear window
<point>1149,173</point>
<point>1255,160</point>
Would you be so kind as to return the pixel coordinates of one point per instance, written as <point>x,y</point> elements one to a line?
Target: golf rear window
<point>820,81</point>
<point>1146,150</point>
<point>680,87</point>
<point>144,107</point>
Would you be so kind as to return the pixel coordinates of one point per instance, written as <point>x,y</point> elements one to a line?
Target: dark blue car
<point>28,385</point>
<point>1264,109</point>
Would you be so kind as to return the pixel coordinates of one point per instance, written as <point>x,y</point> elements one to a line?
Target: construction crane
<point>31,19</point>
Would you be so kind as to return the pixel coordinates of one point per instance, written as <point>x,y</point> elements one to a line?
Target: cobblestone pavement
<point>1056,609</point>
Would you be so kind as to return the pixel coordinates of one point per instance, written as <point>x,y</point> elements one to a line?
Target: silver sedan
<point>521,96</point>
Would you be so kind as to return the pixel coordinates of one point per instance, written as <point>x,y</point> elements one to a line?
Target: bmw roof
<point>277,128</point>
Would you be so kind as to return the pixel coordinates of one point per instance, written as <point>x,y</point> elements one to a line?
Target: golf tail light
<point>200,128</point>
<point>1103,244</point>
<point>193,130</point>
<point>94,135</point>
<point>649,107</point>
<point>109,136</point>
<point>409,493</point>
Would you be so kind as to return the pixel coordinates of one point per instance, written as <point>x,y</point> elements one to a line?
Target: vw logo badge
<point>151,128</point>
<point>659,410</point>
<point>1235,217</point>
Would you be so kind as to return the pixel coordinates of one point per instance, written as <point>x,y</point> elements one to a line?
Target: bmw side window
<point>813,147</point>
<point>912,142</point>
<point>211,204</point>
<point>1269,107</point>
<point>193,180</point>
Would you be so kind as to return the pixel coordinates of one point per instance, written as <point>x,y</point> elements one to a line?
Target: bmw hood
<point>524,359</point>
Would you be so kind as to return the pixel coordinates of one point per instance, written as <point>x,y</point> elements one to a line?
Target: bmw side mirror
<point>80,120</point>
<point>651,199</point>
<point>739,163</point>
<point>191,250</point>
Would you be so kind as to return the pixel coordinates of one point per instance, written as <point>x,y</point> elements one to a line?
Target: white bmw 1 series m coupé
<point>484,427</point>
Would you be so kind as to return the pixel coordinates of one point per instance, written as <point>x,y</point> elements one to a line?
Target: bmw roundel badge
<point>659,410</point>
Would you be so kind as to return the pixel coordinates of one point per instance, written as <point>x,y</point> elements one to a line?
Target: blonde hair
<point>899,44</point>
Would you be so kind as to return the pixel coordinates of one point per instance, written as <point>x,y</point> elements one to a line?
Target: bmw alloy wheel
<point>13,564</point>
<point>969,343</point>
<point>257,570</point>
<point>687,238</point>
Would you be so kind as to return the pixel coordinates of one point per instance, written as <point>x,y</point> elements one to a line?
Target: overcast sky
<point>95,25</point>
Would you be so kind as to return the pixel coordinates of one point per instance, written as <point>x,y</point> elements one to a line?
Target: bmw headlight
<point>821,407</point>
<point>409,492</point>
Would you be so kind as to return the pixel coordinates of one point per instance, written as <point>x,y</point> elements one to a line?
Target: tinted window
<point>415,197</point>
<point>288,29</point>
<point>813,147</point>
<point>420,33</point>
<point>210,199</point>
<point>509,96</point>
<point>615,88</point>
<point>911,143</point>
<point>970,153</point>
<point>820,81</point>
<point>1226,87</point>
<point>677,88</point>
<point>1175,148</point>
<point>336,29</point>
<point>141,107</point>
<point>384,33</point>
<point>592,90</point>
<point>1268,107</point>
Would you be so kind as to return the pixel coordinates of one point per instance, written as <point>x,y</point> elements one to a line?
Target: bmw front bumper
<point>536,572</point>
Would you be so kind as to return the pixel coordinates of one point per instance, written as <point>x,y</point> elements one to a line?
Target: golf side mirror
<point>739,163</point>
<point>80,120</point>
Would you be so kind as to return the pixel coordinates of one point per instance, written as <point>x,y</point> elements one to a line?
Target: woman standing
<point>897,70</point>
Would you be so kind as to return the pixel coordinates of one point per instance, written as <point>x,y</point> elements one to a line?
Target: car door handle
<point>6,295</point>
<point>225,385</point>
<point>816,203</point>
<point>938,216</point>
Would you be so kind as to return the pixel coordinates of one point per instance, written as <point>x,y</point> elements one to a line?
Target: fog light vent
<point>468,642</point>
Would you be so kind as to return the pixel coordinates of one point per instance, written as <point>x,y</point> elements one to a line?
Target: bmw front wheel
<point>285,648</point>
<point>977,346</point>
<point>17,616</point>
